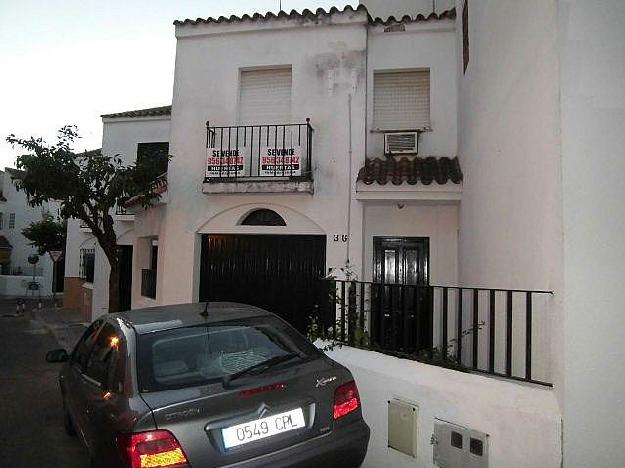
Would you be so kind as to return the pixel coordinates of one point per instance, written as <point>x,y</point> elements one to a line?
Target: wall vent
<point>401,143</point>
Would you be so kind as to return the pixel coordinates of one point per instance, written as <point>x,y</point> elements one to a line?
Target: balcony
<point>273,158</point>
<point>499,332</point>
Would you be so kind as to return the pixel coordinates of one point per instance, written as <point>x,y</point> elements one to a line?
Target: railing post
<point>491,332</point>
<point>476,304</point>
<point>509,334</point>
<point>459,329</point>
<point>445,323</point>
<point>528,336</point>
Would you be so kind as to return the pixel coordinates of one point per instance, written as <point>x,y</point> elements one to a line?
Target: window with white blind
<point>401,100</point>
<point>265,96</point>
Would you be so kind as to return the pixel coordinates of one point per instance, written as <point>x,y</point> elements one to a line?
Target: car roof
<point>184,315</point>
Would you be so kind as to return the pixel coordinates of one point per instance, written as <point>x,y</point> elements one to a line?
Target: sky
<point>69,61</point>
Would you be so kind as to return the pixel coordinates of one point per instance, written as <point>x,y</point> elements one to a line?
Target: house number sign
<point>340,237</point>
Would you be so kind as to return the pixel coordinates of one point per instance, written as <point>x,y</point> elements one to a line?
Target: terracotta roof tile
<point>442,170</point>
<point>150,112</point>
<point>160,187</point>
<point>319,13</point>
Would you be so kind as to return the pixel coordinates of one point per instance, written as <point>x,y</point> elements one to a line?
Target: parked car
<point>203,385</point>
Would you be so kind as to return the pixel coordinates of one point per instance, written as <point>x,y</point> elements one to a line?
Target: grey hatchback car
<point>203,385</point>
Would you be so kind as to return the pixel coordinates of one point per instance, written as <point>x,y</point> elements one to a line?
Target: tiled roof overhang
<point>150,112</point>
<point>5,244</point>
<point>411,171</point>
<point>319,13</point>
<point>159,186</point>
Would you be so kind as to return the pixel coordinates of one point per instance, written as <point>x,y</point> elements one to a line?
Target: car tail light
<point>151,449</point>
<point>346,399</point>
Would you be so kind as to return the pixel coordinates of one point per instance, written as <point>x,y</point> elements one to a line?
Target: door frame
<point>377,244</point>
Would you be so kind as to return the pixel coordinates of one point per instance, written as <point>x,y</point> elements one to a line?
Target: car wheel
<point>70,430</point>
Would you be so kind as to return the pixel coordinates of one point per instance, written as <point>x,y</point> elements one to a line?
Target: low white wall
<point>522,421</point>
<point>17,285</point>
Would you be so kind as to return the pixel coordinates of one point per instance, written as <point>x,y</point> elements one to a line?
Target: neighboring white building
<point>127,134</point>
<point>439,159</point>
<point>15,215</point>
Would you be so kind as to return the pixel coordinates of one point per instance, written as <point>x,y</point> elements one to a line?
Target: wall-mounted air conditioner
<point>401,143</point>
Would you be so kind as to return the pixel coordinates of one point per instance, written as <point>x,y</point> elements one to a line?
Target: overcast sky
<point>68,61</point>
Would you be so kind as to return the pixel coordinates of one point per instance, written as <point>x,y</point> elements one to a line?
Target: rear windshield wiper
<point>261,365</point>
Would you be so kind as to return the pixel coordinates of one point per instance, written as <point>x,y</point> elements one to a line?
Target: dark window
<point>1,220</point>
<point>104,360</point>
<point>190,356</point>
<point>263,217</point>
<point>87,264</point>
<point>157,152</point>
<point>476,447</point>
<point>456,440</point>
<point>83,347</point>
<point>11,220</point>
<point>465,34</point>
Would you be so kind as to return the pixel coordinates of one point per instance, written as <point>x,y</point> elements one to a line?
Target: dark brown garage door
<point>277,273</point>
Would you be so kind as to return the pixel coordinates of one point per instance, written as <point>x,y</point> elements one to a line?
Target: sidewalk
<point>65,325</point>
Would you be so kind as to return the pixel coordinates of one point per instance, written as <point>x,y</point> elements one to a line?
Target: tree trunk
<point>114,287</point>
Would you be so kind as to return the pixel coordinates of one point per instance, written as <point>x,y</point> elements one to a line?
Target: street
<point>31,423</point>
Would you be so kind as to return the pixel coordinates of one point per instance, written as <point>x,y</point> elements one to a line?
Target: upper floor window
<point>401,100</point>
<point>157,151</point>
<point>11,220</point>
<point>1,220</point>
<point>265,96</point>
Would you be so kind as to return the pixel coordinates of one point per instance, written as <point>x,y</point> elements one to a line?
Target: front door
<point>401,278</point>
<point>125,277</point>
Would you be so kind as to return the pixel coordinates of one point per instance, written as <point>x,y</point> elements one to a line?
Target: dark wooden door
<point>277,273</point>
<point>401,277</point>
<point>125,277</point>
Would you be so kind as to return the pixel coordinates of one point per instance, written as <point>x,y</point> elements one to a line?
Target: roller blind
<point>401,100</point>
<point>265,96</point>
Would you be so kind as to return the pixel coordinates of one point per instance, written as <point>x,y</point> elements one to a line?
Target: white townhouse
<point>452,169</point>
<point>16,272</point>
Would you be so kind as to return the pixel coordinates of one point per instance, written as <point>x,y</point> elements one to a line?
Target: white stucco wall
<point>430,45</point>
<point>509,146</point>
<point>25,214</point>
<point>334,48</point>
<point>437,222</point>
<point>592,73</point>
<point>523,422</point>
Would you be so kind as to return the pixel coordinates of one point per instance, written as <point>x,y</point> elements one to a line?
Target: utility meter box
<point>459,447</point>
<point>402,427</point>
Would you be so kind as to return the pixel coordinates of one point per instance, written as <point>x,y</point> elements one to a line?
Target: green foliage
<point>47,234</point>
<point>86,185</point>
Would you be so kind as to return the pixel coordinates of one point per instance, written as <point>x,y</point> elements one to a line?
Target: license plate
<point>264,427</point>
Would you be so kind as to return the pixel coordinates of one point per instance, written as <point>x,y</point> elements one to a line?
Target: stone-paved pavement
<point>31,420</point>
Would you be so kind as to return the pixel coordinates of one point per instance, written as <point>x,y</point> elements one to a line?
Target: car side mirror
<point>57,355</point>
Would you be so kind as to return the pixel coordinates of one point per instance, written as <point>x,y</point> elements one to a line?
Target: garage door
<point>277,273</point>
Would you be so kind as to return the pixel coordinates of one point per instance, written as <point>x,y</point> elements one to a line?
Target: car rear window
<point>190,356</point>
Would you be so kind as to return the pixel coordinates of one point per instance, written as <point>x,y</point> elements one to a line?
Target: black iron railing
<point>148,283</point>
<point>501,332</point>
<point>87,264</point>
<point>121,211</point>
<point>282,151</point>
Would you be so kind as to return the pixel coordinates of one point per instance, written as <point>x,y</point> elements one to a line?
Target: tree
<point>87,185</point>
<point>47,234</point>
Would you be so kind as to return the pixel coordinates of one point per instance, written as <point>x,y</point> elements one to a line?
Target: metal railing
<point>501,332</point>
<point>87,264</point>
<point>148,283</point>
<point>279,151</point>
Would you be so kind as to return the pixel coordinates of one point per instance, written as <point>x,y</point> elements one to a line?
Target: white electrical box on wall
<point>459,447</point>
<point>402,427</point>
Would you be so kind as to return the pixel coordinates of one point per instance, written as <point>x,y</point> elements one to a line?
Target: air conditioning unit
<point>401,143</point>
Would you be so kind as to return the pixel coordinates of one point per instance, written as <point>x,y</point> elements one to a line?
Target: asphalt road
<point>31,420</point>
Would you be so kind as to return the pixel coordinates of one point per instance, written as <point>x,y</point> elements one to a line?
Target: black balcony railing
<point>148,283</point>
<point>500,332</point>
<point>282,151</point>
